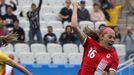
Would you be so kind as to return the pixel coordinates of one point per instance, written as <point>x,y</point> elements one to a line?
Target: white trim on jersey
<point>83,43</point>
<point>8,70</point>
<point>100,68</point>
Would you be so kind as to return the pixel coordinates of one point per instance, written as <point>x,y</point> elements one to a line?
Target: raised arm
<point>74,23</point>
<point>14,5</point>
<point>19,67</point>
<point>124,2</point>
<point>39,6</point>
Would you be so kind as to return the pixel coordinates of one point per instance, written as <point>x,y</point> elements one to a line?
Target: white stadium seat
<point>121,51</point>
<point>89,8</point>
<point>43,25</point>
<point>37,48</point>
<point>83,24</point>
<point>26,34</point>
<point>55,24</point>
<point>54,48</point>
<point>24,2</point>
<point>89,2</point>
<point>27,58</point>
<point>70,48</point>
<point>49,17</point>
<point>97,24</point>
<point>46,9</point>
<point>43,58</point>
<point>81,48</point>
<point>59,58</point>
<point>7,49</point>
<point>24,24</point>
<point>56,9</point>
<point>58,32</point>
<point>43,31</point>
<point>75,58</point>
<point>21,47</point>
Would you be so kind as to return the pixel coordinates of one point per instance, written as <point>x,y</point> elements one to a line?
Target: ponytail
<point>93,34</point>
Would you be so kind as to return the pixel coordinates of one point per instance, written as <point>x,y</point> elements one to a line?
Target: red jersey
<point>97,59</point>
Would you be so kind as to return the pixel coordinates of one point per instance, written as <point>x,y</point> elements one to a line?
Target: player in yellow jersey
<point>4,59</point>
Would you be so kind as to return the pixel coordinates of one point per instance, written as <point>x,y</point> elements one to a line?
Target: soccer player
<point>4,59</point>
<point>99,58</point>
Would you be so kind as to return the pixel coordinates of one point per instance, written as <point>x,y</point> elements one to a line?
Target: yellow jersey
<point>113,14</point>
<point>3,59</point>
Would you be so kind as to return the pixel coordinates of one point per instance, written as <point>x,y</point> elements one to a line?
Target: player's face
<point>108,39</point>
<point>33,8</point>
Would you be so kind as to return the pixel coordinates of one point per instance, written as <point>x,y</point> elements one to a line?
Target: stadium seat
<point>75,58</point>
<point>37,48</point>
<point>89,2</point>
<point>66,23</point>
<point>83,24</point>
<point>70,48</point>
<point>59,58</point>
<point>43,31</point>
<point>24,24</point>
<point>54,48</point>
<point>81,48</point>
<point>97,24</point>
<point>49,17</point>
<point>56,9</point>
<point>26,34</point>
<point>21,47</point>
<point>27,58</point>
<point>46,9</point>
<point>121,51</point>
<point>89,8</point>
<point>54,2</point>
<point>58,32</point>
<point>43,25</point>
<point>43,58</point>
<point>55,24</point>
<point>24,2</point>
<point>7,49</point>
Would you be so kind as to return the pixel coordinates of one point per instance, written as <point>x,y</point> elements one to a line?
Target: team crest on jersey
<point>108,55</point>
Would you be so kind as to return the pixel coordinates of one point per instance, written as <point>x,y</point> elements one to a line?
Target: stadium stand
<point>26,58</point>
<point>21,48</point>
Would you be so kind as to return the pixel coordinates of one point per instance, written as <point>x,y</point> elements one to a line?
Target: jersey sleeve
<point>115,62</point>
<point>87,41</point>
<point>3,57</point>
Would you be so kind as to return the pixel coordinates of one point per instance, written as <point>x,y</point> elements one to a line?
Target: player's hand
<point>104,73</point>
<point>75,4</point>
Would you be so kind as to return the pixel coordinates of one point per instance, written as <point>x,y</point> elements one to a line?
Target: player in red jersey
<point>99,58</point>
